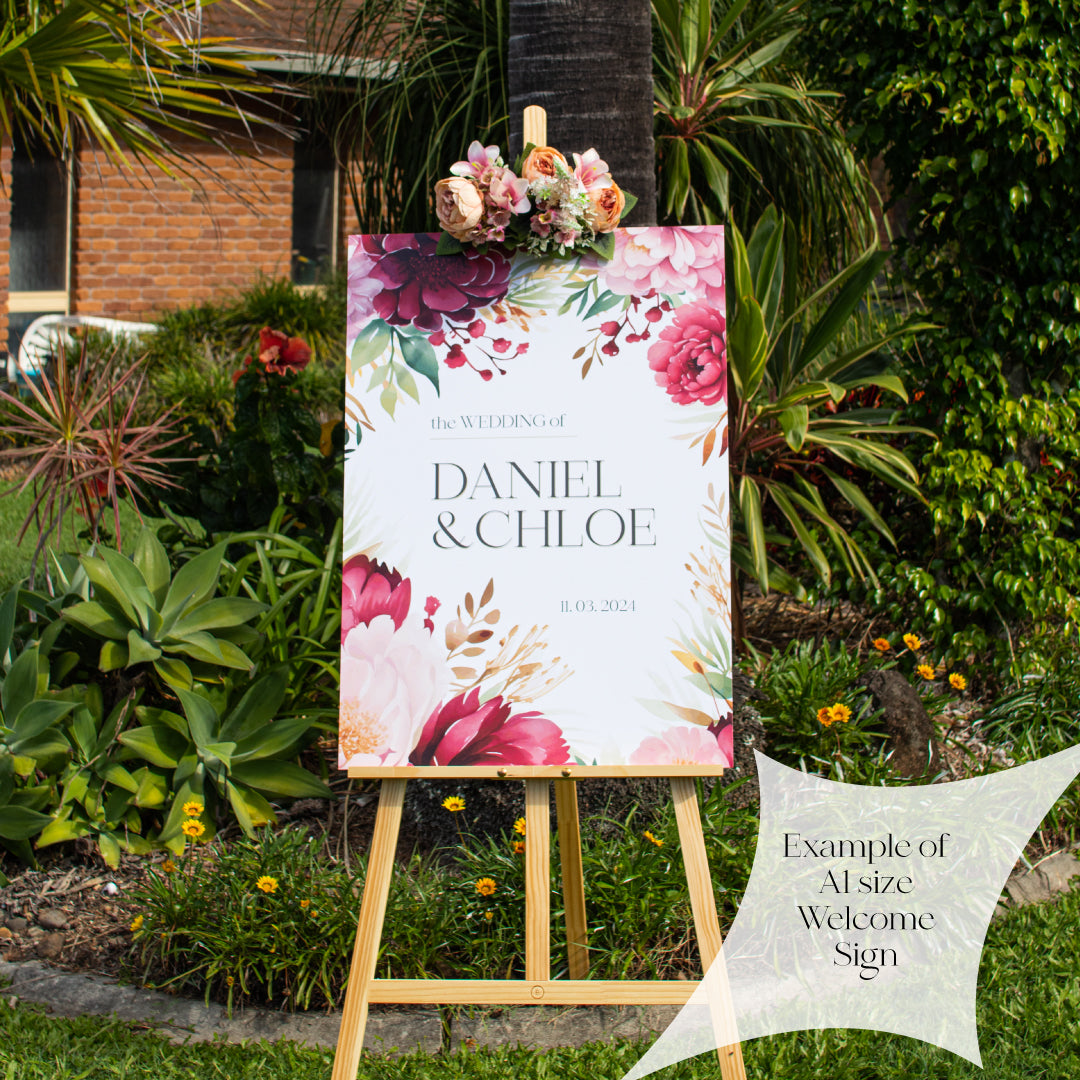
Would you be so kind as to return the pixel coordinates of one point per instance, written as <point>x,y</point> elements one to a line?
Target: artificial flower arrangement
<point>541,205</point>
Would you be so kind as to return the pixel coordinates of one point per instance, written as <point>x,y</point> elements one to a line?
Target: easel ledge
<point>528,772</point>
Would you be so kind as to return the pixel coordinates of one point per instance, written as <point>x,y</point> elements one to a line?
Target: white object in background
<point>42,335</point>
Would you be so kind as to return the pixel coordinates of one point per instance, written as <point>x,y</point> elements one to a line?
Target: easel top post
<point>534,126</point>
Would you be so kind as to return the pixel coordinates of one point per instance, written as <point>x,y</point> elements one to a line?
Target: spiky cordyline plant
<point>80,446</point>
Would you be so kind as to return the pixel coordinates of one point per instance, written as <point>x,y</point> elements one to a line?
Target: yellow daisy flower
<point>305,904</point>
<point>881,644</point>
<point>652,839</point>
<point>913,642</point>
<point>519,847</point>
<point>193,808</point>
<point>453,803</point>
<point>192,828</point>
<point>169,866</point>
<point>485,886</point>
<point>824,716</point>
<point>926,671</point>
<point>489,915</point>
<point>840,713</point>
<point>519,826</point>
<point>136,924</point>
<point>267,884</point>
<point>957,682</point>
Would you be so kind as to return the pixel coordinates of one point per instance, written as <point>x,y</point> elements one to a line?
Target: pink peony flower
<point>360,290</point>
<point>690,357</point>
<point>391,679</point>
<point>591,171</point>
<point>370,589</point>
<point>682,746</point>
<point>466,732</point>
<point>689,259</point>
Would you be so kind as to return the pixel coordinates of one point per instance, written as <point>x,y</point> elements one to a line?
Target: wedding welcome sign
<point>536,509</point>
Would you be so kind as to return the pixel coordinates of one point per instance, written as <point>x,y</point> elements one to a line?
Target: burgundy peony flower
<point>282,354</point>
<point>464,732</point>
<point>690,357</point>
<point>371,588</point>
<point>423,288</point>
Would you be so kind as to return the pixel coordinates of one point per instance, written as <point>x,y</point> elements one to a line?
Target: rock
<point>5,934</point>
<point>48,948</point>
<point>52,919</point>
<point>17,925</point>
<point>914,749</point>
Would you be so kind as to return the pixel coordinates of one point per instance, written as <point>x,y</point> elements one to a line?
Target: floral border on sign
<point>410,696</point>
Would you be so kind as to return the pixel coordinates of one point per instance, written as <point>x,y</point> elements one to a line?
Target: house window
<point>314,211</point>
<point>40,239</point>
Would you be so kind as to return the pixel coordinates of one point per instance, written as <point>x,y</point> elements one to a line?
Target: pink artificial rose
<point>690,356</point>
<point>369,589</point>
<point>391,679</point>
<point>606,206</point>
<point>459,206</point>
<point>541,163</point>
<point>466,732</point>
<point>687,260</point>
<point>682,746</point>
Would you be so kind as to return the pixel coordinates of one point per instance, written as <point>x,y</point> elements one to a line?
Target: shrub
<point>973,114</point>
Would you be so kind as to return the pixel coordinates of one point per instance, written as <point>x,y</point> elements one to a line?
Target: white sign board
<point>536,524</point>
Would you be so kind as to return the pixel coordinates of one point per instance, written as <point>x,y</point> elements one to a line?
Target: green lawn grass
<point>1028,1013</point>
<point>14,557</point>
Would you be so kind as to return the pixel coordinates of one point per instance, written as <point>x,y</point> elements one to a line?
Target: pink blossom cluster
<point>480,200</point>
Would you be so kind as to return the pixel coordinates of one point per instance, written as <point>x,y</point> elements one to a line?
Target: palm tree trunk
<point>590,67</point>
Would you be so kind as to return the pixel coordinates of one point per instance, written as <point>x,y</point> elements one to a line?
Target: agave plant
<point>805,410</point>
<point>32,745</point>
<point>143,614</point>
<point>233,758</point>
<point>79,444</point>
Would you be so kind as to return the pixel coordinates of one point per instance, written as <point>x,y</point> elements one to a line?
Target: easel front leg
<point>702,901</point>
<point>537,881</point>
<point>369,929</point>
<point>573,879</point>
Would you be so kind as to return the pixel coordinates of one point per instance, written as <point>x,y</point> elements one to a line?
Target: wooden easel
<point>537,987</point>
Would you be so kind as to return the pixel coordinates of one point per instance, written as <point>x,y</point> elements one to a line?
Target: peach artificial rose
<point>540,164</point>
<point>605,208</point>
<point>459,206</point>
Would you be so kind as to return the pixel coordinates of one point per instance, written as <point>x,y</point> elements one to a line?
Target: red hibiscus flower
<point>422,288</point>
<point>464,732</point>
<point>282,354</point>
<point>369,589</point>
<point>690,358</point>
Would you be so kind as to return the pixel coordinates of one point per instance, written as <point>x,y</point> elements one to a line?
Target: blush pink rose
<point>686,745</point>
<point>688,260</point>
<point>690,356</point>
<point>391,680</point>
<point>466,732</point>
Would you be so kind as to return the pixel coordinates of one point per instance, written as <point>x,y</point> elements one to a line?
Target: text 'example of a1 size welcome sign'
<point>537,531</point>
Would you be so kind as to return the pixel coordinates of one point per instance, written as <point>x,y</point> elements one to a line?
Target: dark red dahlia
<point>464,732</point>
<point>371,588</point>
<point>422,288</point>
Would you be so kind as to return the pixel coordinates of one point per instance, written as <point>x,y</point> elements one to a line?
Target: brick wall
<point>143,244</point>
<point>5,239</point>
